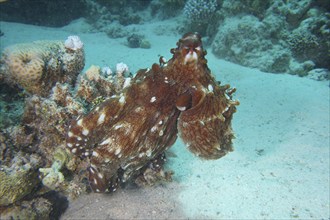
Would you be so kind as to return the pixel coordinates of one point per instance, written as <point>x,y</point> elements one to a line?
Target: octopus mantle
<point>132,130</point>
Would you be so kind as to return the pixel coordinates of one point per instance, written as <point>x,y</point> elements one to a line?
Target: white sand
<point>280,166</point>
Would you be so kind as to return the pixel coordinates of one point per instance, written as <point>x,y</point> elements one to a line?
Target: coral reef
<point>245,41</point>
<point>166,8</point>
<point>311,39</point>
<point>11,105</point>
<point>319,74</point>
<point>200,15</point>
<point>123,138</point>
<point>136,40</point>
<point>93,87</point>
<point>37,66</point>
<point>41,133</point>
<point>52,177</point>
<point>73,43</point>
<point>48,206</point>
<point>200,10</point>
<point>274,36</point>
<point>19,178</point>
<point>114,17</point>
<point>39,208</point>
<point>256,8</point>
<point>39,151</point>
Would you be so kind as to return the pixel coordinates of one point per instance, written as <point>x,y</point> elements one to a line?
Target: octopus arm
<point>206,126</point>
<point>86,131</point>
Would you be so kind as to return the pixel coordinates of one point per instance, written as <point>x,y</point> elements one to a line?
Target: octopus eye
<point>186,49</point>
<point>198,48</point>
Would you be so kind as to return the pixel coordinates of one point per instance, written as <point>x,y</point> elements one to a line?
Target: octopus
<point>131,131</point>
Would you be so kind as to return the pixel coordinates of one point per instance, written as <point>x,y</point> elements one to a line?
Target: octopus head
<point>191,48</point>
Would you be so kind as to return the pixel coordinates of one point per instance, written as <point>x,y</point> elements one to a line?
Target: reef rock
<point>274,36</point>
<point>18,179</point>
<point>38,66</point>
<point>125,137</point>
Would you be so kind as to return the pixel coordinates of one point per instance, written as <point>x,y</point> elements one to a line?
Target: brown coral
<point>37,66</point>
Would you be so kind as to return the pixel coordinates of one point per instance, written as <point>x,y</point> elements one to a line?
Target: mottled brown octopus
<point>129,131</point>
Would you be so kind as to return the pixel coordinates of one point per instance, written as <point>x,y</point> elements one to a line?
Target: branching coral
<point>200,10</point>
<point>201,16</point>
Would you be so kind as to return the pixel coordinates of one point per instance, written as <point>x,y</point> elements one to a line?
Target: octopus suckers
<point>74,150</point>
<point>70,134</point>
<point>69,145</point>
<point>85,132</point>
<point>95,182</point>
<point>160,122</point>
<point>153,99</point>
<point>161,133</point>
<point>79,138</point>
<point>101,118</point>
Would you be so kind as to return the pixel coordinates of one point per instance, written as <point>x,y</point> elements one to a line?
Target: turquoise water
<point>274,53</point>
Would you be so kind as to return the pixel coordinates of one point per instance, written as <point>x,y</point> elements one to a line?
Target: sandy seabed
<point>280,166</point>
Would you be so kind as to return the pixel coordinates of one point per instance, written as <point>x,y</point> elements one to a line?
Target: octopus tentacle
<point>205,128</point>
<point>125,137</point>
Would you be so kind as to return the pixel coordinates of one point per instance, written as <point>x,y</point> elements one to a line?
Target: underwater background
<point>274,52</point>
